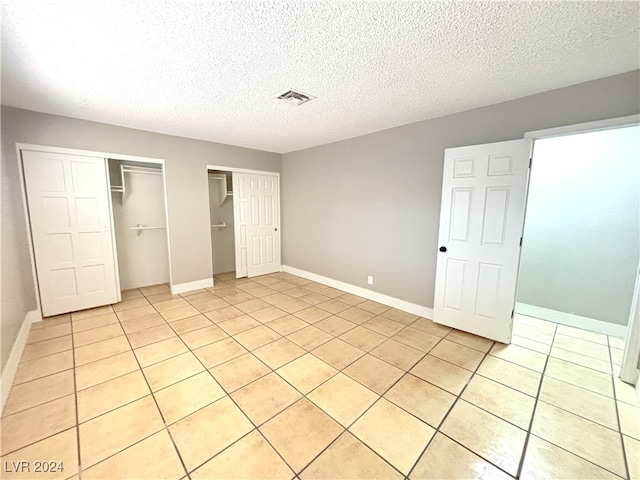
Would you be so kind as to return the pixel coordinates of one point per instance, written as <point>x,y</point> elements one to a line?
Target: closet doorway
<point>255,217</point>
<point>140,222</point>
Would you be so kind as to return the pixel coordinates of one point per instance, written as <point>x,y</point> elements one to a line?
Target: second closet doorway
<point>245,222</point>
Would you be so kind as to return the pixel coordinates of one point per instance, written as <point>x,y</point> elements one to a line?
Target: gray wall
<point>187,196</point>
<point>581,235</point>
<point>371,205</point>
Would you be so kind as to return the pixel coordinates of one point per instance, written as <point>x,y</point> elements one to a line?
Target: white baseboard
<point>187,287</point>
<point>10,369</point>
<point>571,320</point>
<point>414,308</point>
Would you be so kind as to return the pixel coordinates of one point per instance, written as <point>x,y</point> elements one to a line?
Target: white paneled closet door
<point>263,223</point>
<point>69,213</point>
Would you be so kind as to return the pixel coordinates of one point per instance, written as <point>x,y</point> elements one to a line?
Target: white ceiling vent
<point>294,97</point>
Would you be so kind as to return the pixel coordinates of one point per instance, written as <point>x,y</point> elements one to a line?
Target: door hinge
<point>530,161</point>
<point>513,311</point>
<point>520,241</point>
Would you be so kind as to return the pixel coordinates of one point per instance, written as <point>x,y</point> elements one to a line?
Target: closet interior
<point>139,218</point>
<point>221,217</point>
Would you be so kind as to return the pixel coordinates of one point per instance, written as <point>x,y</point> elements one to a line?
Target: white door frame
<point>89,153</point>
<point>225,168</point>
<point>629,371</point>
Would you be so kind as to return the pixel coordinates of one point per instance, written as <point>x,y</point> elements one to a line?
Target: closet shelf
<point>218,225</point>
<point>117,189</point>
<point>140,228</point>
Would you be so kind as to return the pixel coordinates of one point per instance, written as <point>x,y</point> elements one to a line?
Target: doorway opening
<point>582,230</point>
<point>140,222</point>
<point>222,224</point>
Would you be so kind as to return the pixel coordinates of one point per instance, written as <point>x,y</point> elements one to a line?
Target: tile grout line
<point>535,407</point>
<point>155,401</point>
<point>615,402</point>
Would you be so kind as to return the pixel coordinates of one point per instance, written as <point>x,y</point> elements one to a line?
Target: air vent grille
<point>294,97</point>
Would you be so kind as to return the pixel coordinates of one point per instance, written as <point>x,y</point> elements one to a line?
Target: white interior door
<point>68,198</point>
<point>263,223</point>
<point>481,223</point>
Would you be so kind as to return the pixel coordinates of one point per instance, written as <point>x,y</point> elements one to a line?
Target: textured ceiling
<point>210,70</point>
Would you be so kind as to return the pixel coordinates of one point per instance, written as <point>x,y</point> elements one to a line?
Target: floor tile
<point>239,372</point>
<point>446,459</point>
<point>351,299</point>
<point>239,324</point>
<point>131,303</point>
<point>61,448</point>
<point>203,336</point>
<point>257,337</point>
<point>98,351</point>
<point>418,339</point>
<point>580,376</point>
<point>209,305</point>
<point>569,431</point>
<point>190,324</point>
<point>97,334</point>
<point>427,402</point>
<point>531,344</point>
<point>106,369</point>
<point>356,315</point>
<point>142,323</point>
<point>292,306</point>
<point>616,355</point>
<point>114,431</point>
<point>150,335</point>
<point>486,435</point>
<point>429,326</point>
<point>309,337</point>
<point>185,397</point>
<point>238,298</point>
<point>286,325</point>
<point>334,325</point>
<point>312,314</point>
<point>154,289</point>
<point>625,392</point>
<point>383,326</point>
<point>374,373</point>
<point>306,373</point>
<point>470,340</point>
<point>545,460</point>
<point>343,399</point>
<point>632,450</point>
<point>46,347</point>
<point>442,374</point>
<point>153,458</point>
<point>36,392</point>
<point>617,342</point>
<point>535,322</point>
<point>348,457</point>
<point>160,297</point>
<point>580,359</point>
<point>110,395</point>
<point>338,353</point>
<point>519,356</point>
<point>629,420</point>
<point>265,397</point>
<point>540,335</point>
<point>595,350</point>
<point>373,307</point>
<point>94,322</point>
<point>300,433</point>
<point>403,317</point>
<point>42,367</point>
<point>156,352</point>
<point>170,305</point>
<point>91,312</point>
<point>397,354</point>
<point>268,314</point>
<point>457,354</point>
<point>219,352</point>
<point>56,320</point>
<point>592,406</point>
<point>278,353</point>
<point>396,435</point>
<point>172,370</point>
<point>363,338</point>
<point>313,298</point>
<point>509,404</point>
<point>334,306</point>
<point>251,457</point>
<point>197,442</point>
<point>136,313</point>
<point>251,305</point>
<point>180,313</point>
<point>222,314</point>
<point>582,334</point>
<point>509,374</point>
<point>29,426</point>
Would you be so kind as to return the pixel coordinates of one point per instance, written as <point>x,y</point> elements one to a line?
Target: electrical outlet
<point>370,279</point>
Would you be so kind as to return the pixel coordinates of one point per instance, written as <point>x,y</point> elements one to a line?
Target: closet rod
<point>145,170</point>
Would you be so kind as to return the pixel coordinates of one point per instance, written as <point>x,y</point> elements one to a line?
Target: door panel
<point>481,223</point>
<point>71,231</point>
<point>240,222</point>
<point>263,223</point>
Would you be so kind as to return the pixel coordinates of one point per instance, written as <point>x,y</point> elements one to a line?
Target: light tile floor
<point>279,377</point>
